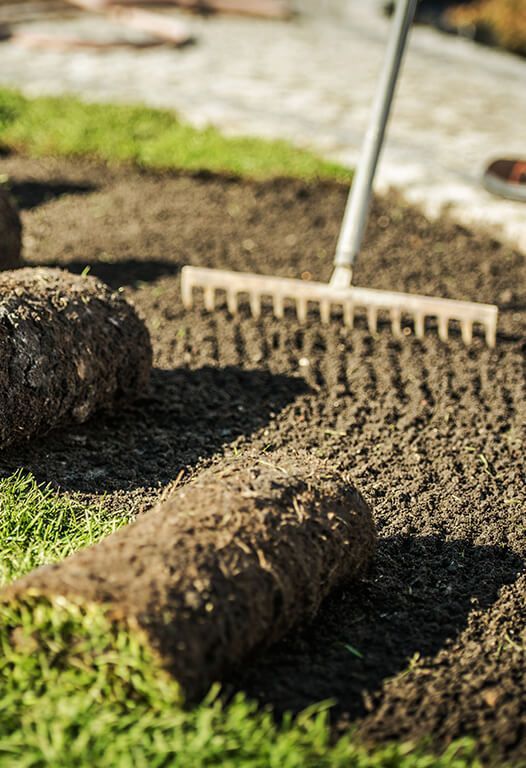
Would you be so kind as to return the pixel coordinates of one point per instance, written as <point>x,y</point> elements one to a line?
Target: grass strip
<point>150,138</point>
<point>39,526</point>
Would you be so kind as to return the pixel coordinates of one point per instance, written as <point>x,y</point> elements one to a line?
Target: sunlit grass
<point>150,138</point>
<point>38,525</point>
<point>77,690</point>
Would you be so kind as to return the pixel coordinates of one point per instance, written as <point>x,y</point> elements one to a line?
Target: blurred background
<point>301,70</point>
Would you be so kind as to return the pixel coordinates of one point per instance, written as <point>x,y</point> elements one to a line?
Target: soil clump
<point>69,346</point>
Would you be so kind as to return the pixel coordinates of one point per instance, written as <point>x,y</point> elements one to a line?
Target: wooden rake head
<point>340,293</point>
<point>258,290</point>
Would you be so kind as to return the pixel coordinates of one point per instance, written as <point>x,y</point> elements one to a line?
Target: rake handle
<point>355,216</point>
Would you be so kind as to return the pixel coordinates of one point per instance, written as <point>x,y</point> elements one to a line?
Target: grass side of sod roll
<point>39,526</point>
<point>76,689</point>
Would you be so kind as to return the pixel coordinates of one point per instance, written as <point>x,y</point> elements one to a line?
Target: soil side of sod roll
<point>10,232</point>
<point>226,566</point>
<point>69,346</point>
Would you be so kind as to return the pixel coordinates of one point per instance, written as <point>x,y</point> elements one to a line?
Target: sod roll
<point>10,232</point>
<point>227,566</point>
<point>68,347</point>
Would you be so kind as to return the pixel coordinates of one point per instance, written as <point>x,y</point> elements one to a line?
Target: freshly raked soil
<point>432,644</point>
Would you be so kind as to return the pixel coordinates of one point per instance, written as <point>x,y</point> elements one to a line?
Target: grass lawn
<point>148,137</point>
<point>75,688</point>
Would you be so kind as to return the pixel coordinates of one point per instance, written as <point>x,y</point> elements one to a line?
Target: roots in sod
<point>68,347</point>
<point>226,566</point>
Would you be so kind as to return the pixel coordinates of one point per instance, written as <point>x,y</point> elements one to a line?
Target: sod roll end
<point>227,566</point>
<point>69,346</point>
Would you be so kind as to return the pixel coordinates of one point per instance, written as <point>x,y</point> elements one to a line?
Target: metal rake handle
<point>355,216</point>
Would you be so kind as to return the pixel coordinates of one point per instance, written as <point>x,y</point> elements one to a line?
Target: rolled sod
<point>10,232</point>
<point>69,346</point>
<point>228,565</point>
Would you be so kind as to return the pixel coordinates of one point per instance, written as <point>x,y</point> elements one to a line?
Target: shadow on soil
<point>128,272</point>
<point>31,194</point>
<point>417,598</point>
<point>189,415</point>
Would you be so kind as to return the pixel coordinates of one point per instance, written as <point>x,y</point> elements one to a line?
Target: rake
<point>339,293</point>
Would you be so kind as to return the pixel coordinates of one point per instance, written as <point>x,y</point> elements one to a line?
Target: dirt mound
<point>10,232</point>
<point>486,666</point>
<point>68,346</point>
<point>226,566</point>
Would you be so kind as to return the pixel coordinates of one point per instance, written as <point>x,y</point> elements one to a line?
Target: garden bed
<point>431,433</point>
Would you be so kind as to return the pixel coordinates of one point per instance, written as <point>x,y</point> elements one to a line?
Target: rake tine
<point>396,322</point>
<point>372,319</point>
<point>231,302</point>
<point>277,303</point>
<point>255,304</point>
<point>348,314</point>
<point>420,325</point>
<point>491,335</point>
<point>186,294</point>
<point>466,329</point>
<point>209,298</point>
<point>443,328</point>
<point>301,310</point>
<point>325,311</point>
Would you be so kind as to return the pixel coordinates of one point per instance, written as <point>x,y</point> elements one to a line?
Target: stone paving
<point>311,81</point>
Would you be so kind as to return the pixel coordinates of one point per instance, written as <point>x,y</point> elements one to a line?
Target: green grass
<point>150,138</point>
<point>38,525</point>
<point>76,689</point>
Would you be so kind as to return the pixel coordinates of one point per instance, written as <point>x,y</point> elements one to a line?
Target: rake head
<point>281,291</point>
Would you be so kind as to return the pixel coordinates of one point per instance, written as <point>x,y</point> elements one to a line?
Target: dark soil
<point>69,346</point>
<point>477,680</point>
<point>432,433</point>
<point>228,565</point>
<point>10,232</point>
